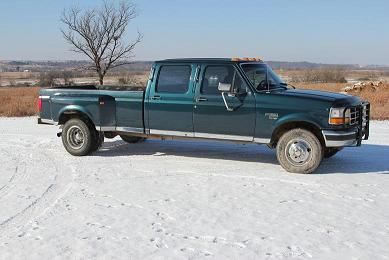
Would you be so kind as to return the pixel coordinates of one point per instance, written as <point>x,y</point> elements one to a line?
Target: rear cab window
<point>173,79</point>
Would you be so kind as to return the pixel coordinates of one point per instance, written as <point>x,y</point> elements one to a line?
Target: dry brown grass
<point>379,99</point>
<point>332,87</point>
<point>18,101</point>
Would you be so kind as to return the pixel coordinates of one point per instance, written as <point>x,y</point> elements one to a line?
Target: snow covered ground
<point>181,199</point>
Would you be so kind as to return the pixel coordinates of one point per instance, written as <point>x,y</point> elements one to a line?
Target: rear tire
<point>77,137</point>
<point>299,151</point>
<point>331,151</point>
<point>98,141</point>
<point>132,139</point>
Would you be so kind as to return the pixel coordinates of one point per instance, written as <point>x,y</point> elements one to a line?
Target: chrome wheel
<point>298,152</point>
<point>75,137</point>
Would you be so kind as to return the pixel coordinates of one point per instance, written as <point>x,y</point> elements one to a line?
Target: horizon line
<point>153,60</point>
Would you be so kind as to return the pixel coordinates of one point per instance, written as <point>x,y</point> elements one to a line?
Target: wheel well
<point>279,131</point>
<point>66,116</point>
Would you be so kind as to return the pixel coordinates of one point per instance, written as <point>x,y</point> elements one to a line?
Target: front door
<point>232,118</point>
<point>170,104</point>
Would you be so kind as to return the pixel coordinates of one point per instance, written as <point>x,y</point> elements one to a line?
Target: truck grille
<point>354,112</point>
<point>359,115</point>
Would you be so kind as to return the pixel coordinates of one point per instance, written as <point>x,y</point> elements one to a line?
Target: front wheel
<point>299,151</point>
<point>77,137</point>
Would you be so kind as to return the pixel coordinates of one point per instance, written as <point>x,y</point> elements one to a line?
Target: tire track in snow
<point>17,177</point>
<point>35,209</point>
<point>57,188</point>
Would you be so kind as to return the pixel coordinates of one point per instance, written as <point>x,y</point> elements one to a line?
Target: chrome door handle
<point>201,99</point>
<point>156,98</point>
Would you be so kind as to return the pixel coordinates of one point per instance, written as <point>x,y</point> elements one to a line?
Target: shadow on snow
<point>368,158</point>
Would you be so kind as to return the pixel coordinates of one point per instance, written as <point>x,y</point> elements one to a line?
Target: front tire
<point>77,137</point>
<point>299,151</point>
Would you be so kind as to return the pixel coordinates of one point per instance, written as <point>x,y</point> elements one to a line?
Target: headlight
<point>338,116</point>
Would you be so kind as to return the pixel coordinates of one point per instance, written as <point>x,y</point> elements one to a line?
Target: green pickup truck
<point>239,100</point>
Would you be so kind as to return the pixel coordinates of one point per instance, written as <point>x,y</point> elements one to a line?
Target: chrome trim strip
<point>171,133</point>
<point>44,97</point>
<point>209,136</point>
<point>185,134</point>
<point>107,128</point>
<point>262,140</point>
<point>48,121</point>
<point>119,129</point>
<point>225,137</point>
<point>129,129</point>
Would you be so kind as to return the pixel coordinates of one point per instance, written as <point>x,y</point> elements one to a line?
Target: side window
<point>221,74</point>
<point>213,76</point>
<point>173,79</point>
<point>240,86</point>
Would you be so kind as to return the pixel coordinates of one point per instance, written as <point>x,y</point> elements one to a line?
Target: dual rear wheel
<point>80,138</point>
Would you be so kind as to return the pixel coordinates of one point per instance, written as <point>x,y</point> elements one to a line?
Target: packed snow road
<point>181,199</point>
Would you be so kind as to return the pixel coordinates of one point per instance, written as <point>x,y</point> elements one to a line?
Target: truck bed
<point>110,108</point>
<point>103,87</point>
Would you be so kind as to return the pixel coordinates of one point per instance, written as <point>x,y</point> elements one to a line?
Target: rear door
<point>214,118</point>
<point>170,101</point>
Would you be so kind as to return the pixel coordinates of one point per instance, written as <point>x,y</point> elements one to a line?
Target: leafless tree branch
<point>98,33</point>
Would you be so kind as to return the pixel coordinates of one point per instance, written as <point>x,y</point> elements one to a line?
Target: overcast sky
<point>330,31</point>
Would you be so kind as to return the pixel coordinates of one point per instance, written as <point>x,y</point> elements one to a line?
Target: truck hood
<point>337,98</point>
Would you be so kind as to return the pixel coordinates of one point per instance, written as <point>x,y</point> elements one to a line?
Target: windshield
<point>260,79</point>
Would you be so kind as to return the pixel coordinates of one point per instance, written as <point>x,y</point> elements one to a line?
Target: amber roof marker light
<point>246,59</point>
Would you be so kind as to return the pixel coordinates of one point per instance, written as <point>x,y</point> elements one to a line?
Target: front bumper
<point>354,136</point>
<point>340,138</point>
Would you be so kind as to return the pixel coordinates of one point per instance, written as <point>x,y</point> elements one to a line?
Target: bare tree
<point>98,33</point>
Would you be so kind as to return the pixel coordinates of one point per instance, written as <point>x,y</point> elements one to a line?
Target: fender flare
<point>74,109</point>
<point>294,121</point>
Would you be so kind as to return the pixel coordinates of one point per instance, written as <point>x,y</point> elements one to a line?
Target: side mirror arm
<point>225,102</point>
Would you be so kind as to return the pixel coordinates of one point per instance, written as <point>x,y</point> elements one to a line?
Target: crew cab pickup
<point>239,100</point>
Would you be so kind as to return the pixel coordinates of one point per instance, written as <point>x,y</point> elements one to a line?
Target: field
<point>18,101</point>
<point>21,101</point>
<point>379,100</point>
<point>187,200</point>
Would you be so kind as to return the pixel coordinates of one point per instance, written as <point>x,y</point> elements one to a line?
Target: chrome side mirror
<point>224,87</point>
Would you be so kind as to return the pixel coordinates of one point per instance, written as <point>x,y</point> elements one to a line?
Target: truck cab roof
<point>211,60</point>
